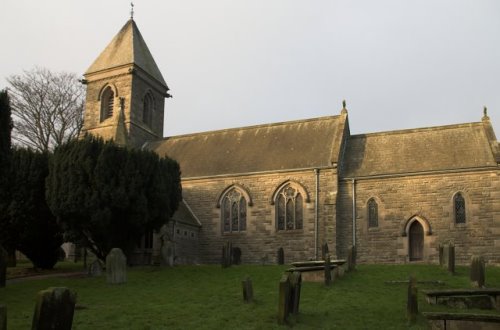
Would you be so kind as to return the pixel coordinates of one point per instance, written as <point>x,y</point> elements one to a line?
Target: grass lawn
<point>208,297</point>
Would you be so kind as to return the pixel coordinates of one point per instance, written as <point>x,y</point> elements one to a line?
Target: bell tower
<point>125,91</point>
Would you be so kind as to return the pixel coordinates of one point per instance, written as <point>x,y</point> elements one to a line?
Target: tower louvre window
<point>107,103</point>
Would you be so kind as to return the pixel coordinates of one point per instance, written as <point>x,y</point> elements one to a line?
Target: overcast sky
<point>399,64</point>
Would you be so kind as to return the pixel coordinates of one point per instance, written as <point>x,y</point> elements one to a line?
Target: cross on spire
<point>131,10</point>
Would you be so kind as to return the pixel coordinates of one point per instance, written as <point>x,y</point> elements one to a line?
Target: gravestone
<point>167,254</point>
<point>227,255</point>
<point>54,309</point>
<point>412,302</point>
<point>3,317</point>
<point>284,298</point>
<point>236,256</point>
<point>451,258</point>
<point>95,269</point>
<point>351,259</point>
<point>281,256</point>
<point>328,271</point>
<point>324,250</point>
<point>295,286</point>
<point>116,267</point>
<point>477,272</point>
<point>247,290</point>
<point>441,255</point>
<point>4,257</point>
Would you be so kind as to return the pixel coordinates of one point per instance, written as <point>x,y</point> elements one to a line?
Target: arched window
<point>289,207</point>
<point>372,213</point>
<point>148,108</point>
<point>107,103</point>
<point>459,206</point>
<point>234,212</point>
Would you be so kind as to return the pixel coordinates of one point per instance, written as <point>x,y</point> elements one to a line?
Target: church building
<point>296,185</point>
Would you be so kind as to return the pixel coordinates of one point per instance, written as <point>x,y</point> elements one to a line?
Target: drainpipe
<point>354,212</point>
<point>316,217</point>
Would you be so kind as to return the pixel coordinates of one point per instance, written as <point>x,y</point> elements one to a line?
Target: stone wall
<point>261,240</point>
<point>429,198</point>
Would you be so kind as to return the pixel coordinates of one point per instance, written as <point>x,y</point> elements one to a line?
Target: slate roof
<point>299,144</point>
<point>419,150</point>
<point>127,47</point>
<point>185,216</point>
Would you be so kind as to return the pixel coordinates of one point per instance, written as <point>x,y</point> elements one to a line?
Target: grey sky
<point>399,64</point>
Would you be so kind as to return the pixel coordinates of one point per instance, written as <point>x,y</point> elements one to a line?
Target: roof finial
<point>344,110</point>
<point>131,10</point>
<point>485,113</point>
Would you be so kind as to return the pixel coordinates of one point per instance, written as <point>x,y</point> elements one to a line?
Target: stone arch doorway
<point>416,241</point>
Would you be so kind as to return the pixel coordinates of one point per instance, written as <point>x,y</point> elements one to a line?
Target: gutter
<point>316,217</point>
<point>354,212</point>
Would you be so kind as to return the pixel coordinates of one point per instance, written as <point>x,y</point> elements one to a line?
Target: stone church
<point>296,185</point>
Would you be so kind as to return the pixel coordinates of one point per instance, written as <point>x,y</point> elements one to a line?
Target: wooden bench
<point>462,321</point>
<point>313,271</point>
<point>465,298</point>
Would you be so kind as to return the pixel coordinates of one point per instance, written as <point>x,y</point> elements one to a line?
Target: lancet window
<point>107,103</point>
<point>459,206</point>
<point>372,213</point>
<point>289,208</point>
<point>234,212</point>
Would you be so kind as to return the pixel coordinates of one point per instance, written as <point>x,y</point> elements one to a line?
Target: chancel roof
<point>127,47</point>
<point>453,147</point>
<point>312,143</point>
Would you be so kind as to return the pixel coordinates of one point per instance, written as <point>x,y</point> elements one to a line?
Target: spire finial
<point>131,10</point>
<point>344,110</point>
<point>485,113</point>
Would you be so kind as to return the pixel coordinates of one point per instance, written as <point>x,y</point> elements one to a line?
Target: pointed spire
<point>344,109</point>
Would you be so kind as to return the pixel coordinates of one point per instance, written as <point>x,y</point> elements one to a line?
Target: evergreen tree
<point>5,126</point>
<point>107,196</point>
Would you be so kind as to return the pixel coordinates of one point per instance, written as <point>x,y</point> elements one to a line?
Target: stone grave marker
<point>328,271</point>
<point>116,267</point>
<point>167,254</point>
<point>281,256</point>
<point>54,309</point>
<point>351,259</point>
<point>441,255</point>
<point>412,302</point>
<point>295,286</point>
<point>284,299</point>
<point>477,272</point>
<point>451,258</point>
<point>3,317</point>
<point>236,256</point>
<point>247,290</point>
<point>324,250</point>
<point>4,257</point>
<point>95,269</point>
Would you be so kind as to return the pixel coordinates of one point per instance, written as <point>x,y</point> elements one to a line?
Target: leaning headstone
<point>351,259</point>
<point>95,269</point>
<point>281,256</point>
<point>284,298</point>
<point>295,286</point>
<point>477,272</point>
<point>116,267</point>
<point>324,250</point>
<point>3,266</point>
<point>451,258</point>
<point>3,317</point>
<point>247,290</point>
<point>54,309</point>
<point>328,271</point>
<point>412,303</point>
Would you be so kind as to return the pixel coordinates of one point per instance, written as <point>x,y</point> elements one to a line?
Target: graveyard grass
<point>209,297</point>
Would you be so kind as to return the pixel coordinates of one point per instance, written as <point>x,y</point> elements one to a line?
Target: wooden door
<point>416,242</point>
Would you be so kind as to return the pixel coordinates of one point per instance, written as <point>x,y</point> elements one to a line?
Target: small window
<point>107,103</point>
<point>147,115</point>
<point>289,209</point>
<point>234,212</point>
<point>372,213</point>
<point>459,204</point>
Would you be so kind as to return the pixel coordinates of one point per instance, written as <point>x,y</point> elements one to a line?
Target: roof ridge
<point>417,130</point>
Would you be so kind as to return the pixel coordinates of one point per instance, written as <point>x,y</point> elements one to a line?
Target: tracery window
<point>372,213</point>
<point>107,103</point>
<point>234,212</point>
<point>148,108</point>
<point>289,207</point>
<point>459,205</point>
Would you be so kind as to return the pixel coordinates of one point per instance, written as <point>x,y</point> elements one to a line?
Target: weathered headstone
<point>295,286</point>
<point>441,255</point>
<point>3,317</point>
<point>54,309</point>
<point>227,255</point>
<point>351,259</point>
<point>451,258</point>
<point>281,256</point>
<point>247,290</point>
<point>3,266</point>
<point>116,267</point>
<point>412,303</point>
<point>236,256</point>
<point>324,250</point>
<point>328,271</point>
<point>284,298</point>
<point>477,272</point>
<point>95,269</point>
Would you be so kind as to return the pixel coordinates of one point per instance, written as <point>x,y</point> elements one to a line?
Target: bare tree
<point>47,108</point>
